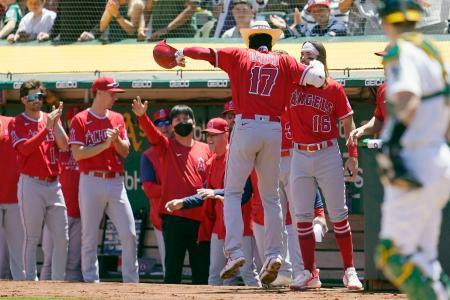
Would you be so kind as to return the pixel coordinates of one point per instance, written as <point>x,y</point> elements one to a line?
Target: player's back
<point>260,80</point>
<point>420,73</point>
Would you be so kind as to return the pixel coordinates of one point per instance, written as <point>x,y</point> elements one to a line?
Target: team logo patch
<point>201,166</point>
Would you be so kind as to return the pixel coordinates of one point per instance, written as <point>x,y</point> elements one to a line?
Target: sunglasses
<point>161,123</point>
<point>34,97</point>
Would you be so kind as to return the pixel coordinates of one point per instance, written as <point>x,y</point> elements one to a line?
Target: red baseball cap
<point>106,84</point>
<point>161,114</point>
<point>216,126</point>
<point>228,107</point>
<point>314,3</point>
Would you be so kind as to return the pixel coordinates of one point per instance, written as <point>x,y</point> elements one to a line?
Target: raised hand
<point>138,107</point>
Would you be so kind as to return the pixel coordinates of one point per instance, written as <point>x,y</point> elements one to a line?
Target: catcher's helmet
<point>164,55</point>
<point>397,11</point>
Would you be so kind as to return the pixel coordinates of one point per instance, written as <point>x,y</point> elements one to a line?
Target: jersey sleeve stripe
<point>76,143</point>
<point>217,58</point>
<point>18,141</point>
<point>345,116</point>
<point>304,74</point>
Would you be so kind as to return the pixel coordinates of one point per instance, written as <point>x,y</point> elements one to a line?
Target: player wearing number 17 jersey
<point>316,162</point>
<point>260,81</point>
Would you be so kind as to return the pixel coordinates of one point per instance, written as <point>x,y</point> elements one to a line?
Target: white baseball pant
<point>161,247</point>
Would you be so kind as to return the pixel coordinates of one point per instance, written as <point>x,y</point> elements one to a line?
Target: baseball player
<point>11,227</point>
<point>184,171</point>
<point>217,138</point>
<point>99,144</point>
<point>69,179</point>
<point>151,173</point>
<point>415,158</point>
<point>374,126</point>
<point>259,81</point>
<point>316,162</point>
<point>37,136</point>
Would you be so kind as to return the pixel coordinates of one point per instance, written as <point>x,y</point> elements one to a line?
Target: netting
<point>114,20</point>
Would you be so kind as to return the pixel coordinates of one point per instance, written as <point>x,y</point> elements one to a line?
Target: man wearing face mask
<point>183,172</point>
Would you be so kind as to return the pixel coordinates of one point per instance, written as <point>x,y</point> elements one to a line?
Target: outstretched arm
<point>198,53</point>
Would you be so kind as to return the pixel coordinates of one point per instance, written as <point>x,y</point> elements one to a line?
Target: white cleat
<point>351,280</point>
<point>269,270</point>
<point>281,280</point>
<point>232,267</point>
<point>306,280</point>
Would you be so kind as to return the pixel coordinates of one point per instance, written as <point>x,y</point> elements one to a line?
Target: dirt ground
<point>179,292</point>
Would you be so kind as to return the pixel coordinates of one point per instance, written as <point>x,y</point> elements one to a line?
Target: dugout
<point>68,71</point>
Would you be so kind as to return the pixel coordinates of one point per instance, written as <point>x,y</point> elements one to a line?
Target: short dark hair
<point>31,85</point>
<point>260,39</point>
<point>181,110</point>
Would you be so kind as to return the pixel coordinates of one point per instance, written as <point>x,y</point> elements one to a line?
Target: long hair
<point>322,54</point>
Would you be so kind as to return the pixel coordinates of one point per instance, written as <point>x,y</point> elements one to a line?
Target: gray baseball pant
<point>218,261</point>
<point>73,268</point>
<point>12,240</point>
<point>42,203</point>
<point>98,196</point>
<point>161,247</point>
<point>323,169</point>
<point>255,144</point>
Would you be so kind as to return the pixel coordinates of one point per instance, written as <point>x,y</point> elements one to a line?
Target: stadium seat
<point>266,14</point>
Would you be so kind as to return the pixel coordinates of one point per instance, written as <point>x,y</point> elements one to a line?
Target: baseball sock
<point>307,245</point>
<point>343,236</point>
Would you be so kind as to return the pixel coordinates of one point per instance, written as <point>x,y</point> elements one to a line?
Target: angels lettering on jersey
<point>92,137</point>
<point>302,98</point>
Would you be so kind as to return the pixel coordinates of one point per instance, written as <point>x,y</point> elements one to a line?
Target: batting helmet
<point>397,11</point>
<point>164,55</point>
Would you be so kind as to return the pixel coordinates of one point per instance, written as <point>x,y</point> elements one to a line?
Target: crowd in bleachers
<point>151,20</point>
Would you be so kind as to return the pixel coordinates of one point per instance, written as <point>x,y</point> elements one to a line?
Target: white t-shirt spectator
<point>231,33</point>
<point>34,25</point>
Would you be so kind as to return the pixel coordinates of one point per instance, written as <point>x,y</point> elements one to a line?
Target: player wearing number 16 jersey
<point>316,162</point>
<point>260,81</point>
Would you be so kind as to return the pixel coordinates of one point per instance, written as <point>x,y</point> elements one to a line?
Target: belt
<point>313,147</point>
<point>46,179</point>
<point>285,152</point>
<point>104,174</point>
<point>256,117</point>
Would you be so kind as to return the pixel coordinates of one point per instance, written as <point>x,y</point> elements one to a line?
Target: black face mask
<point>184,128</point>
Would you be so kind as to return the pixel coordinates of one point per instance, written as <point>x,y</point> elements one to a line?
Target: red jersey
<point>155,217</point>
<point>380,109</point>
<point>43,160</point>
<point>214,208</point>
<point>260,81</point>
<point>10,168</point>
<point>89,129</point>
<point>286,137</point>
<point>69,179</point>
<point>314,112</point>
<point>183,168</point>
<point>257,212</point>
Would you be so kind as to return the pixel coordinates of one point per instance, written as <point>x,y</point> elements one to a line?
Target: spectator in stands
<point>123,28</point>
<point>435,18</point>
<point>363,19</point>
<point>35,25</point>
<point>308,20</point>
<point>326,24</point>
<point>77,20</point>
<point>173,18</point>
<point>243,14</point>
<point>10,18</point>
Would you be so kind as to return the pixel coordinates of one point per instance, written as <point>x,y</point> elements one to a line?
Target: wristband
<point>352,151</point>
